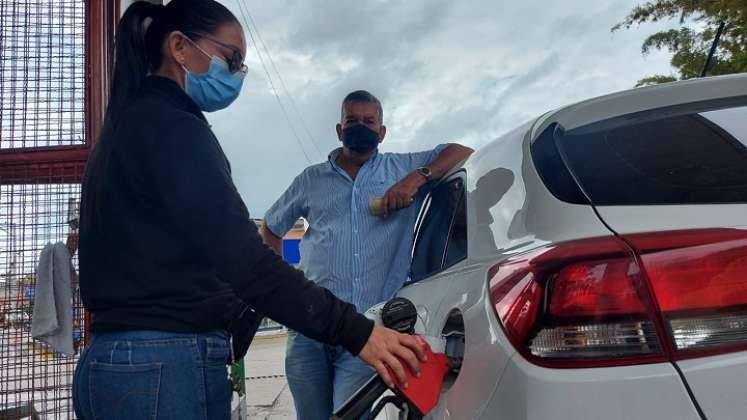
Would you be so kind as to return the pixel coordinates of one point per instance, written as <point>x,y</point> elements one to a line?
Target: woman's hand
<point>383,352</point>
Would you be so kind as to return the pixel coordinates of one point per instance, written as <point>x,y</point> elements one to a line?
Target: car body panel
<point>520,214</point>
<point>509,208</point>
<point>719,384</point>
<point>635,219</point>
<point>643,99</point>
<point>511,211</point>
<point>531,392</point>
<point>487,351</point>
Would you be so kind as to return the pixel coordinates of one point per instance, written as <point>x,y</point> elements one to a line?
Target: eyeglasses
<point>235,63</point>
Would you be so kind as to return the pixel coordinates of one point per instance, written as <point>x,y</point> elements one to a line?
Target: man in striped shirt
<point>361,257</point>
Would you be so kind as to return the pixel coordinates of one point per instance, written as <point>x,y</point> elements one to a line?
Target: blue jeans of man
<point>321,377</point>
<point>153,374</point>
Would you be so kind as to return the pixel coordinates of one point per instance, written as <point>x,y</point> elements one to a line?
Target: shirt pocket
<point>376,188</point>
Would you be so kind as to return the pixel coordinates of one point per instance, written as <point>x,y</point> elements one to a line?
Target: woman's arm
<point>195,184</point>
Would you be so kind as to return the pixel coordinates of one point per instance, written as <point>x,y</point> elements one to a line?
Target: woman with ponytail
<point>171,265</point>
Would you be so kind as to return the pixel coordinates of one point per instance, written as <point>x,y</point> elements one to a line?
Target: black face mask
<point>360,138</point>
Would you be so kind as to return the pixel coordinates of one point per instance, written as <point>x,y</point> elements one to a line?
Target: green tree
<point>690,43</point>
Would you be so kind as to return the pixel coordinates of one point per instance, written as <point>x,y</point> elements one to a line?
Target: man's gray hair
<point>361,96</point>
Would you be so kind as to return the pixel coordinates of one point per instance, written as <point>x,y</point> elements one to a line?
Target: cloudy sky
<point>445,70</point>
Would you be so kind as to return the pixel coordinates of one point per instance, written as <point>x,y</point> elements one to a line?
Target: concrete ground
<point>268,396</point>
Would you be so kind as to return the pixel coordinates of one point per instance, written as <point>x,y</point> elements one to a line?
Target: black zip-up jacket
<point>173,247</point>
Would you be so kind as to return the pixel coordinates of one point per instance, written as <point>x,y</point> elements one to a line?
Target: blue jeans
<point>321,377</point>
<point>153,374</point>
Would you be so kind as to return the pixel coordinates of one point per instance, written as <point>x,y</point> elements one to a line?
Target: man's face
<point>365,113</point>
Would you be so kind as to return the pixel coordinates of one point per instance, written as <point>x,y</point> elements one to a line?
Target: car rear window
<point>690,155</point>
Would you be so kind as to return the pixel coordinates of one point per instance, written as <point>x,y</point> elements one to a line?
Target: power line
<point>282,82</point>
<point>272,85</point>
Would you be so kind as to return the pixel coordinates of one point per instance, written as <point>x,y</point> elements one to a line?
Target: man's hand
<point>402,194</point>
<point>270,239</point>
<point>382,350</point>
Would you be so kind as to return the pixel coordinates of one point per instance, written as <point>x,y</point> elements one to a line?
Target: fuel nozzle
<point>423,392</point>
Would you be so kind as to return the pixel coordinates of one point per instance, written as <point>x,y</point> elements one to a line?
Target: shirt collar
<point>333,155</point>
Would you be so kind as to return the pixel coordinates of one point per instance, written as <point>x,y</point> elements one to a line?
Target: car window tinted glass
<point>441,240</point>
<point>696,156</point>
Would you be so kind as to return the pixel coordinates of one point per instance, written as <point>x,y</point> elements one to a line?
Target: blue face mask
<point>217,88</point>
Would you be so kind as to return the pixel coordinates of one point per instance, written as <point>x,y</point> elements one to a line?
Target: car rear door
<point>672,182</point>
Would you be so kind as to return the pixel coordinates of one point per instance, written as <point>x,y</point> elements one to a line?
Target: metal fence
<point>42,65</point>
<point>52,79</point>
<point>33,377</point>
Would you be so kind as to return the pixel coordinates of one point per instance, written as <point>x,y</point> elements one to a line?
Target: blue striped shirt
<point>362,258</point>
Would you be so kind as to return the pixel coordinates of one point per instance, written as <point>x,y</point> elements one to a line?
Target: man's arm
<point>402,194</point>
<point>453,155</point>
<point>279,219</point>
<point>270,239</point>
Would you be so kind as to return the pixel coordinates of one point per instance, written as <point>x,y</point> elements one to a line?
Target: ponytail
<point>138,51</point>
<point>130,57</point>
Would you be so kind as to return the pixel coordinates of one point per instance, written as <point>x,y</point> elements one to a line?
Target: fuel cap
<point>400,315</point>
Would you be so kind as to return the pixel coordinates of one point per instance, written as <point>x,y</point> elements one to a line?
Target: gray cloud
<point>445,70</point>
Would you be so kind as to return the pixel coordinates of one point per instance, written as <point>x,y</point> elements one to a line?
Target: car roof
<point>642,99</point>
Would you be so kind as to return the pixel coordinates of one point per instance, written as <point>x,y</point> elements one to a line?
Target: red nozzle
<point>423,392</point>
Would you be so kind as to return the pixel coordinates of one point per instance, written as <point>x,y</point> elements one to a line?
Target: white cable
<point>282,82</point>
<point>272,86</point>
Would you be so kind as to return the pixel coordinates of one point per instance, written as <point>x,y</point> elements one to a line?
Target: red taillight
<point>608,287</point>
<point>577,303</point>
<point>701,290</point>
<point>705,277</point>
<point>519,307</point>
<point>590,303</point>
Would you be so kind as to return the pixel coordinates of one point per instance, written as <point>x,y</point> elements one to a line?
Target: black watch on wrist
<point>425,172</point>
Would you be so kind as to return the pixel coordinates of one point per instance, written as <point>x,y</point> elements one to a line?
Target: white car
<point>592,264</point>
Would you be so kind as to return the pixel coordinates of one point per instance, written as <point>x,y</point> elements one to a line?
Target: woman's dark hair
<point>138,51</point>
